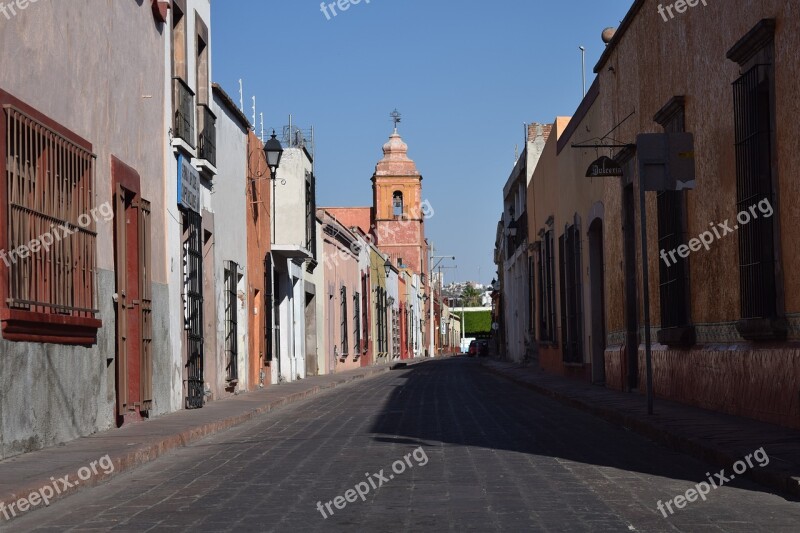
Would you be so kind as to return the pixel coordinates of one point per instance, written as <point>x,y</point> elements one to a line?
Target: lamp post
<point>432,297</point>
<point>273,152</point>
<point>461,340</point>
<point>388,311</point>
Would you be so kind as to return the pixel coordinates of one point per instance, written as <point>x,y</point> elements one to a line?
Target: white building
<point>190,130</point>
<point>294,261</point>
<point>227,368</point>
<point>514,257</point>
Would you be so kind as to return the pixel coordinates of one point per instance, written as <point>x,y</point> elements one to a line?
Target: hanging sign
<point>188,185</point>
<point>605,167</point>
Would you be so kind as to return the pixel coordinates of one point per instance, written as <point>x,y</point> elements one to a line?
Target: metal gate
<point>193,307</point>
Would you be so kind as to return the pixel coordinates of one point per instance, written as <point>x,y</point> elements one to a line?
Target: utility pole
<point>430,282</point>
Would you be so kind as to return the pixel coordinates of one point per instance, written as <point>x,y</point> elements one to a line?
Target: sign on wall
<point>188,185</point>
<point>605,167</point>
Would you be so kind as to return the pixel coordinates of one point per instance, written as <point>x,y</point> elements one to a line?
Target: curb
<point>780,481</point>
<point>142,454</point>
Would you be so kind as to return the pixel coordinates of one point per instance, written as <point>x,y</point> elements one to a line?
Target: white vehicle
<point>465,344</point>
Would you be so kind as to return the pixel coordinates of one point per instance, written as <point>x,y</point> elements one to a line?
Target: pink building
<point>343,296</point>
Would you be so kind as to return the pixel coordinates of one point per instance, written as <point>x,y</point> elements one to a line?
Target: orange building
<point>259,295</point>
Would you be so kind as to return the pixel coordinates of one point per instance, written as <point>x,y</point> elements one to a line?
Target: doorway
<point>193,307</point>
<point>133,299</point>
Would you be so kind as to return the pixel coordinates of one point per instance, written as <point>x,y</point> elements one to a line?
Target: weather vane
<point>395,118</point>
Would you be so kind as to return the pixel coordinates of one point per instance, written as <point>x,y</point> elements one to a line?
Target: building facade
<point>229,367</point>
<point>343,295</point>
<point>294,260</point>
<point>514,260</point>
<point>65,372</point>
<point>724,308</point>
<point>725,314</point>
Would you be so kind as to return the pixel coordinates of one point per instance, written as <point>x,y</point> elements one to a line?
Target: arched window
<point>397,204</point>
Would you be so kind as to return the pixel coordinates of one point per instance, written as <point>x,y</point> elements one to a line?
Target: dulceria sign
<point>604,167</point>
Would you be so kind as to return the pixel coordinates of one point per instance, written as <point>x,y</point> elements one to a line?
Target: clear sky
<point>464,74</point>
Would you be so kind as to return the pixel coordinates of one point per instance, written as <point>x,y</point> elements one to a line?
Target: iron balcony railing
<point>183,114</point>
<point>207,137</point>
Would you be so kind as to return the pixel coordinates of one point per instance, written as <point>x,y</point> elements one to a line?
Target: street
<point>494,457</point>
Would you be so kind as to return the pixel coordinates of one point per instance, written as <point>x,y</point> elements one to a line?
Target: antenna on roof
<point>254,111</point>
<point>262,127</point>
<point>241,96</point>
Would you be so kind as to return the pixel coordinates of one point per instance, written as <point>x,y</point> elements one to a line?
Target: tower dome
<point>395,160</point>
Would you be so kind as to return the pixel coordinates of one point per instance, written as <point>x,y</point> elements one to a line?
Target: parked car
<point>473,349</point>
<point>483,348</point>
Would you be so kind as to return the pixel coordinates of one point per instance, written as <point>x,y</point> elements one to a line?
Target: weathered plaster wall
<point>100,76</point>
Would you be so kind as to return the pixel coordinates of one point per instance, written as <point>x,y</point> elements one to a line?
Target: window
<point>672,232</point>
<point>397,204</point>
<point>571,290</point>
<point>182,94</point>
<point>179,68</point>
<point>365,311</point>
<point>206,120</point>
<point>231,276</point>
<point>49,240</point>
<point>356,324</point>
<point>311,222</point>
<point>344,319</point>
<point>269,301</point>
<point>547,293</point>
<point>201,64</point>
<point>754,120</point>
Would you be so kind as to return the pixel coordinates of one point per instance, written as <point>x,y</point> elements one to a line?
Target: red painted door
<point>133,364</point>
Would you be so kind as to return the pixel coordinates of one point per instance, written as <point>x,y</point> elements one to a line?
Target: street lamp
<point>387,266</point>
<point>273,151</point>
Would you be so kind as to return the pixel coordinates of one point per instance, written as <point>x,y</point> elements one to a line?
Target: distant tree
<point>471,296</point>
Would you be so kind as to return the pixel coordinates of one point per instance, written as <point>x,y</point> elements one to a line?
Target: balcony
<point>207,138</point>
<point>183,114</point>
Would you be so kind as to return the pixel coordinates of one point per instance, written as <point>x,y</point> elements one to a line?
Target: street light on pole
<point>273,151</point>
<point>440,259</point>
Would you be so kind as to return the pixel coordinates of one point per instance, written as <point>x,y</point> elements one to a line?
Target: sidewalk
<point>137,444</point>
<point>714,437</point>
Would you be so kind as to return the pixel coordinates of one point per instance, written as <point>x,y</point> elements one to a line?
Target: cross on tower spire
<point>396,118</point>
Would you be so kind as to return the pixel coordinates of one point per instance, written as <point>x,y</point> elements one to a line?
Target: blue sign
<point>188,185</point>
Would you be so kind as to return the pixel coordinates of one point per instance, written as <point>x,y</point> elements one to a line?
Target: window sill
<point>763,329</point>
<point>180,146</point>
<point>683,336</point>
<point>25,326</point>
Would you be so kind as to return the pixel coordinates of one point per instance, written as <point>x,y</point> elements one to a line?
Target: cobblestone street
<point>499,458</point>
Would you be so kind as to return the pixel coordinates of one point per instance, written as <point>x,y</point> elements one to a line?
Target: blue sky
<point>465,75</point>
